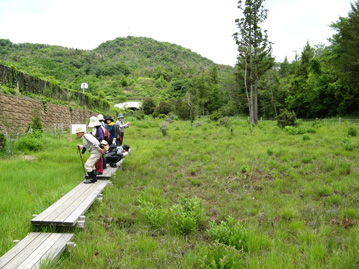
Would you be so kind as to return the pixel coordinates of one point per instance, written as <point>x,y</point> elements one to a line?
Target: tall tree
<point>345,44</point>
<point>254,51</point>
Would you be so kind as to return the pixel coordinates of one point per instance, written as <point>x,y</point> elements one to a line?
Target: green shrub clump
<point>29,143</point>
<point>352,131</point>
<point>2,143</point>
<point>187,215</point>
<point>286,118</point>
<point>230,233</point>
<point>218,255</point>
<point>148,106</point>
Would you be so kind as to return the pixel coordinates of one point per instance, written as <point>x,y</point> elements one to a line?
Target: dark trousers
<point>120,139</point>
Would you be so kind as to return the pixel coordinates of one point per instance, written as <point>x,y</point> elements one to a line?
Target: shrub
<point>164,127</point>
<point>286,118</point>
<point>218,255</point>
<point>216,115</point>
<point>156,216</point>
<point>164,108</point>
<point>29,143</point>
<point>148,106</point>
<point>229,233</point>
<point>348,144</point>
<point>2,143</point>
<point>352,131</point>
<point>187,215</point>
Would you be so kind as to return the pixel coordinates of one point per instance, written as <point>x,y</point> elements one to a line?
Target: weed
<point>219,255</point>
<point>230,233</point>
<point>187,215</point>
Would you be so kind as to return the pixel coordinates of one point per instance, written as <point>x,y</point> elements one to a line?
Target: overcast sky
<point>203,26</point>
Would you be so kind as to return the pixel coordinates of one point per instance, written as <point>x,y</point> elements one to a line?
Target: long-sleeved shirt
<point>121,125</point>
<point>98,133</point>
<point>90,143</point>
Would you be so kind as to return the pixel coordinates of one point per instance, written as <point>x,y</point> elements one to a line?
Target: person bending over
<point>91,144</point>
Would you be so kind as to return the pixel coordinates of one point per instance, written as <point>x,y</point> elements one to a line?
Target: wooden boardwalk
<point>69,210</point>
<point>110,171</point>
<point>35,249</point>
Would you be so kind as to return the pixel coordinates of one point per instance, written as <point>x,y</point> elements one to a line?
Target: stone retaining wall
<point>17,110</point>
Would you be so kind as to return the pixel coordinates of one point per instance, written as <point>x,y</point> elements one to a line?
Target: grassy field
<point>203,197</point>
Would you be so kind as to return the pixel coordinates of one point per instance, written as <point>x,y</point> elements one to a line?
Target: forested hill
<point>123,68</point>
<point>142,51</point>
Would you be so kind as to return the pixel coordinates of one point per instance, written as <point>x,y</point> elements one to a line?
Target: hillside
<point>132,67</point>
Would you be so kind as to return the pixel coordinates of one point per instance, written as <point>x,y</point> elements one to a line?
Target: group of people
<point>104,143</point>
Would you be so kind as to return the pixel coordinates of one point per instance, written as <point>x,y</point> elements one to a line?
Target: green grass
<point>296,197</point>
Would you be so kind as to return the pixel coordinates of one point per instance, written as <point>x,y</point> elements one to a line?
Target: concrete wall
<point>19,110</point>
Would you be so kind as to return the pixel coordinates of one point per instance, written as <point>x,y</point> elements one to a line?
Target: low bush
<point>218,255</point>
<point>29,143</point>
<point>286,118</point>
<point>352,131</point>
<point>230,233</point>
<point>187,215</point>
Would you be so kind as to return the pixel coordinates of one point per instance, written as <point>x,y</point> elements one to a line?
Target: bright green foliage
<point>187,215</point>
<point>219,255</point>
<point>230,233</point>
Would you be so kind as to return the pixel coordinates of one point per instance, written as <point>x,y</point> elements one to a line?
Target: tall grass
<point>296,197</point>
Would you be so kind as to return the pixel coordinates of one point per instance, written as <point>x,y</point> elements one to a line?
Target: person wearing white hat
<point>98,132</point>
<point>93,146</point>
<point>101,119</point>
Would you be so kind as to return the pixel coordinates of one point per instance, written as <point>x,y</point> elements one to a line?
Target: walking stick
<point>83,166</point>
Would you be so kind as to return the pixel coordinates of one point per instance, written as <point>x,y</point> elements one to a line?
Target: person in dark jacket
<point>110,126</point>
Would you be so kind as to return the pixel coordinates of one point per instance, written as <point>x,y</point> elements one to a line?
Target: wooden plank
<point>87,203</point>
<point>50,250</point>
<point>57,204</point>
<point>26,251</point>
<point>61,213</point>
<point>41,249</point>
<point>8,256</point>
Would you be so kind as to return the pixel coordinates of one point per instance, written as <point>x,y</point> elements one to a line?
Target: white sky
<point>203,26</point>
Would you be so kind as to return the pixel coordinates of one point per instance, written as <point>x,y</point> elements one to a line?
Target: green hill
<point>120,69</point>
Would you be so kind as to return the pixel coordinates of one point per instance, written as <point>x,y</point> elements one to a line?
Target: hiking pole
<point>82,161</point>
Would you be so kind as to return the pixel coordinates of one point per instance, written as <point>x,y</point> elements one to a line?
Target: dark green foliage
<point>182,109</point>
<point>164,107</point>
<point>216,115</point>
<point>286,118</point>
<point>2,143</point>
<point>148,106</point>
<point>352,131</point>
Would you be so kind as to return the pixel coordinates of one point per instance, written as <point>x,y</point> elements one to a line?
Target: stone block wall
<point>21,111</point>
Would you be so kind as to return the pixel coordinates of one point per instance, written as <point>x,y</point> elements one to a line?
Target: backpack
<point>106,134</point>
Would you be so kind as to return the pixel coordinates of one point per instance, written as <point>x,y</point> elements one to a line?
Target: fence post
<point>261,118</point>
<point>340,120</point>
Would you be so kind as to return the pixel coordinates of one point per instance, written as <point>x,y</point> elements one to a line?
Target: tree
<point>148,106</point>
<point>345,43</point>
<point>254,51</point>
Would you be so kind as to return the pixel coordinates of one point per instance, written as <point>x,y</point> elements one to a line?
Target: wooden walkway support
<point>69,210</point>
<point>35,249</point>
